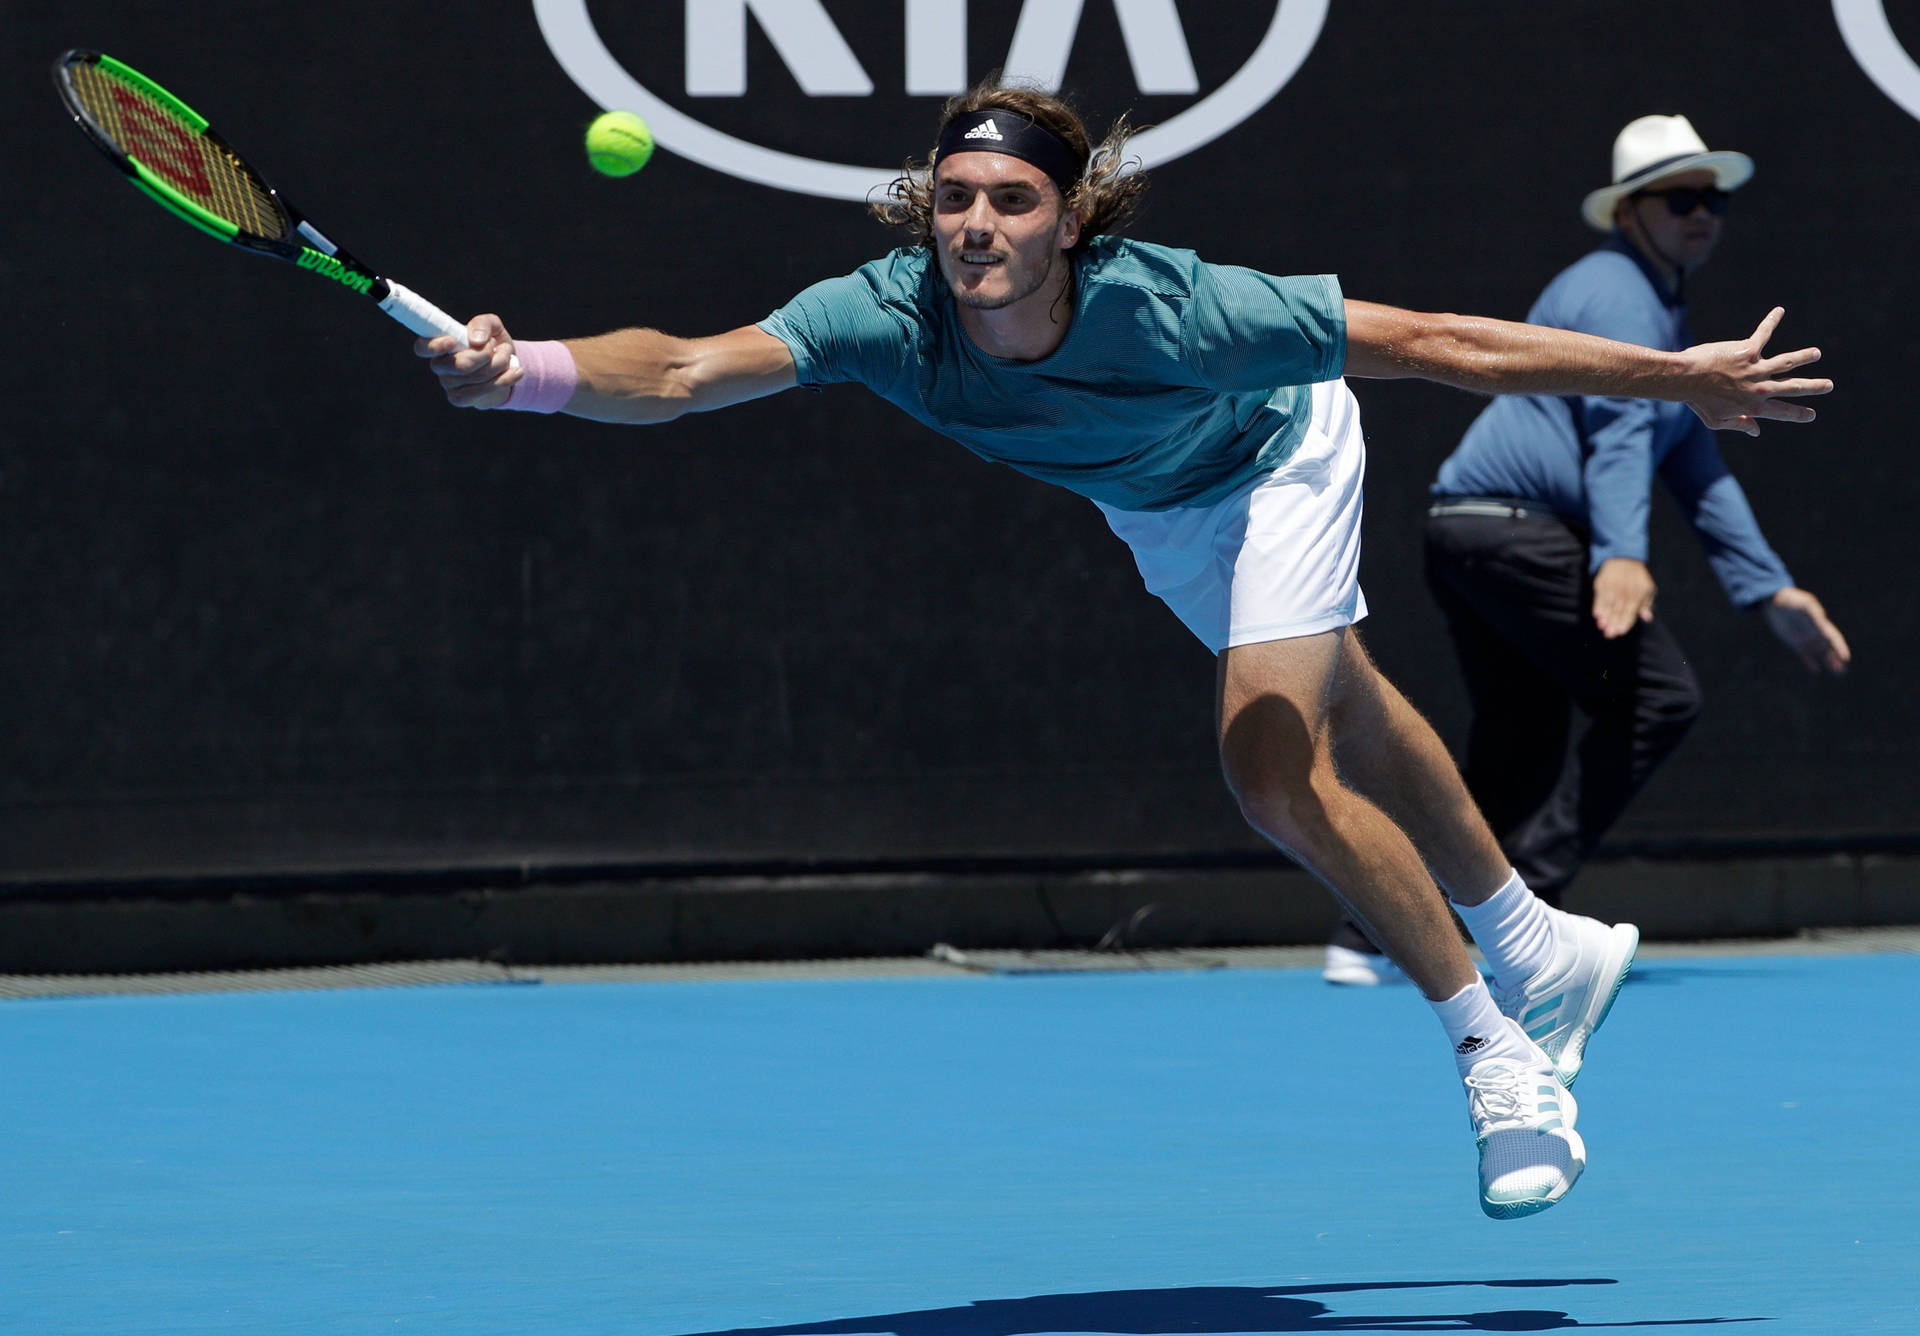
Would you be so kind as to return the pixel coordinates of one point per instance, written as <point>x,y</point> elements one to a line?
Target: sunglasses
<point>1683,200</point>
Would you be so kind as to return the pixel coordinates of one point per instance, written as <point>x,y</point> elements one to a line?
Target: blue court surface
<point>1233,1150</point>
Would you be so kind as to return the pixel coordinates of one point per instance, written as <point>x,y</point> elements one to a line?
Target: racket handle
<point>420,315</point>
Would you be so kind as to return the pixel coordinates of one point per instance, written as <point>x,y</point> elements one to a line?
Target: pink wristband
<point>548,375</point>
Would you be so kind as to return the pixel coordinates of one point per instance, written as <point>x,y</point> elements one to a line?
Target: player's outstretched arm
<point>1730,385</point>
<point>630,375</point>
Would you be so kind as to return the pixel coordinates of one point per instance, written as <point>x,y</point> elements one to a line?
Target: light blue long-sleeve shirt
<point>1592,460</point>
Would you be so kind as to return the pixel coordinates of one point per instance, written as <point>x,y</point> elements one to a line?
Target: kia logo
<point>823,65</point>
<point>1870,37</point>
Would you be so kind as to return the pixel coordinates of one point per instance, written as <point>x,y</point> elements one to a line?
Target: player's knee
<point>1288,808</point>
<point>1280,770</point>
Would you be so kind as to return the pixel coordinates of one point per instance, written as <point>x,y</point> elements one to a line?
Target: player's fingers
<point>484,329</point>
<point>486,383</point>
<point>1781,363</point>
<point>1779,410</point>
<point>483,363</point>
<point>465,369</point>
<point>1799,387</point>
<point>478,363</point>
<point>477,396</point>
<point>1769,323</point>
<point>507,371</point>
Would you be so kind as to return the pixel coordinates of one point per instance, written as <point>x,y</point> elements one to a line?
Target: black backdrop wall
<point>270,605</point>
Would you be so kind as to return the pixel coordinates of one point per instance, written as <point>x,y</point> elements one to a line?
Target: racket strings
<point>202,170</point>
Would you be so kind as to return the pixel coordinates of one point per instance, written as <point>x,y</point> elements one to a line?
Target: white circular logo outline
<point>1869,35</point>
<point>576,44</point>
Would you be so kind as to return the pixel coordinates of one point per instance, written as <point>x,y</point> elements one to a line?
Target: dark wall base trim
<point>639,919</point>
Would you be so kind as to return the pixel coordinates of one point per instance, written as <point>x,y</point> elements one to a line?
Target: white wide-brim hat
<point>1657,146</point>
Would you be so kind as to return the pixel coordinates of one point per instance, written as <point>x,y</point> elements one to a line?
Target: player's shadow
<point>1218,1309</point>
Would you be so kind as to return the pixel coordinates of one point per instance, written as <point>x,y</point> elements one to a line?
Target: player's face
<point>999,229</point>
<point>1682,240</point>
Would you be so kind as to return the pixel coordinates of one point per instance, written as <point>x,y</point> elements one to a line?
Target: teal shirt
<point>1178,380</point>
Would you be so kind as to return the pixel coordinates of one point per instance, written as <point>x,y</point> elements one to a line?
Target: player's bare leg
<point>1276,746</point>
<point>1386,749</point>
<point>1277,707</point>
<point>1557,973</point>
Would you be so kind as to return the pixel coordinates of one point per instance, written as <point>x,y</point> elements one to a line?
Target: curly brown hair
<point>1106,195</point>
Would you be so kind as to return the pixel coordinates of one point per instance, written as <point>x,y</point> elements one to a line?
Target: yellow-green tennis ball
<point>618,143</point>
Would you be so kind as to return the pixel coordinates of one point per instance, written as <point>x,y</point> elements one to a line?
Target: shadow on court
<point>1216,1309</point>
<point>1661,974</point>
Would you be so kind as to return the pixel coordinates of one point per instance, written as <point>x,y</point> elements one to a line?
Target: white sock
<point>1513,929</point>
<point>1477,1030</point>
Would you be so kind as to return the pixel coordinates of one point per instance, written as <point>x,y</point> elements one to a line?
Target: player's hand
<point>1798,619</point>
<point>479,371</point>
<point>1623,591</point>
<point>1737,384</point>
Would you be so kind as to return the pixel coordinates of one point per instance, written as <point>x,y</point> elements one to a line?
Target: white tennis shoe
<point>1530,1156</point>
<point>1359,969</point>
<point>1562,1005</point>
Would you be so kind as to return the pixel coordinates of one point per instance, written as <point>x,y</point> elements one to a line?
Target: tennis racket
<point>167,150</point>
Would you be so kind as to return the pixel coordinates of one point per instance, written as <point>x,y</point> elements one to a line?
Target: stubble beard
<point>981,302</point>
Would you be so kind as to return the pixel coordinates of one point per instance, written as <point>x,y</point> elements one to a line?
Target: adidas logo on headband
<point>981,132</point>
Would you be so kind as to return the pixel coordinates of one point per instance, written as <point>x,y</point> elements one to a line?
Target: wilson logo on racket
<point>328,267</point>
<point>938,64</point>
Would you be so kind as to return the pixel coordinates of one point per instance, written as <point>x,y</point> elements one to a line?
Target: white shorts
<point>1278,558</point>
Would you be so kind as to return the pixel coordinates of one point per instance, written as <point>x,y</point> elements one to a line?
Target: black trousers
<point>1518,601</point>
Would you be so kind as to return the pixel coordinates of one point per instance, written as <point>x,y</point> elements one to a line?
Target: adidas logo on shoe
<point>1473,1043</point>
<point>984,130</point>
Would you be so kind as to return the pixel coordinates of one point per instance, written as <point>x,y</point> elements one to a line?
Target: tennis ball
<point>618,143</point>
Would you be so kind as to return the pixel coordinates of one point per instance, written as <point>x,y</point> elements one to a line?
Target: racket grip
<point>420,315</point>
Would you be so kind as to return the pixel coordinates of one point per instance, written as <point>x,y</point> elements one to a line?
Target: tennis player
<point>1202,408</point>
